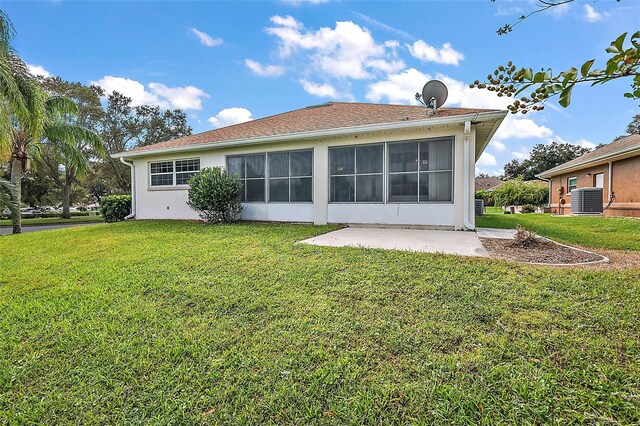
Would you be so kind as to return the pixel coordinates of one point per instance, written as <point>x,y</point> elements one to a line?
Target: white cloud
<point>560,10</point>
<point>264,70</point>
<point>369,20</point>
<point>346,51</point>
<point>286,21</point>
<point>522,128</point>
<point>487,159</point>
<point>230,116</point>
<point>402,87</point>
<point>38,70</point>
<point>580,142</point>
<point>498,146</point>
<point>321,90</point>
<point>186,98</point>
<point>205,38</point>
<point>398,88</point>
<point>427,53</point>
<point>521,154</point>
<point>592,15</point>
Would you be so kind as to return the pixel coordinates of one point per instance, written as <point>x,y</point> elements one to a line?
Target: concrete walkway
<point>429,241</point>
<point>500,234</point>
<point>8,230</point>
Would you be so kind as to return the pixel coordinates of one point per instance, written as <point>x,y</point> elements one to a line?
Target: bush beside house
<point>215,195</point>
<point>115,208</point>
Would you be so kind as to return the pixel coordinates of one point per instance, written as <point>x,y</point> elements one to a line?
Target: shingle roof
<point>332,115</point>
<point>487,183</point>
<point>609,150</point>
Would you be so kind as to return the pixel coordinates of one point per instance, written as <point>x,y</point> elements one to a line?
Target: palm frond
<point>7,32</point>
<point>9,197</point>
<point>58,105</point>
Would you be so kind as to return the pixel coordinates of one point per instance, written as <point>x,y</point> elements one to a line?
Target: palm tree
<point>30,116</point>
<point>68,140</point>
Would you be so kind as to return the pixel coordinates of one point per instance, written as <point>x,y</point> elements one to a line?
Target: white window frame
<point>569,185</point>
<point>173,173</point>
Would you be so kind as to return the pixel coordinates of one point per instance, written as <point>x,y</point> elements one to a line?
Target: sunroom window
<point>421,171</point>
<point>290,176</point>
<point>250,169</point>
<point>356,174</point>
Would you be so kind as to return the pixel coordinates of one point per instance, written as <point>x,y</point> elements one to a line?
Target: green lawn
<point>53,220</point>
<point>589,231</point>
<point>182,323</point>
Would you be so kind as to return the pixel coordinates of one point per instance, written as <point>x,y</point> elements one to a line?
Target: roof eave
<point>489,115</point>
<point>620,155</point>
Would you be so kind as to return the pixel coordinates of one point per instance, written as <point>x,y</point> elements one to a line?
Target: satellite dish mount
<point>434,95</point>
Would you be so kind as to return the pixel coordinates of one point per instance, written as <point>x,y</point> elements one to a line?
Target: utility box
<point>586,201</point>
<point>479,207</point>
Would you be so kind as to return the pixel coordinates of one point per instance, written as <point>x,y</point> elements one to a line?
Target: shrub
<point>524,238</point>
<point>528,208</point>
<point>487,196</point>
<point>517,192</point>
<point>215,195</point>
<point>115,208</point>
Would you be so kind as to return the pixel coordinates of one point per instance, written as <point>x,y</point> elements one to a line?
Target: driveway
<point>7,230</point>
<point>430,241</point>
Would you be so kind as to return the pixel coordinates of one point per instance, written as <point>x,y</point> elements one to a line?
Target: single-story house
<point>614,167</point>
<point>487,183</point>
<point>353,163</point>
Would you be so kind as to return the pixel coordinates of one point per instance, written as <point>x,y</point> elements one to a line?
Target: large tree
<point>543,157</point>
<point>65,167</point>
<point>530,89</point>
<point>125,126</point>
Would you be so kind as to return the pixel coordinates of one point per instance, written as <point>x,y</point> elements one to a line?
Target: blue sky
<point>227,62</point>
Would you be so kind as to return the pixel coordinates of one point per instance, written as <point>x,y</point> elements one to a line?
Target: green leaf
<point>619,41</point>
<point>539,77</point>
<point>565,96</point>
<point>584,70</point>
<point>528,74</point>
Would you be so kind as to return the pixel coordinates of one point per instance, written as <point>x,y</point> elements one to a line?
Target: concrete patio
<point>418,240</point>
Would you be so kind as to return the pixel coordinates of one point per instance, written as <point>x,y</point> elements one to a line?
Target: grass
<point>181,323</point>
<point>53,220</point>
<point>588,231</point>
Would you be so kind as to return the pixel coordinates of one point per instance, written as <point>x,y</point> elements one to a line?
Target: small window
<point>572,183</point>
<point>598,180</point>
<point>172,173</point>
<point>356,174</point>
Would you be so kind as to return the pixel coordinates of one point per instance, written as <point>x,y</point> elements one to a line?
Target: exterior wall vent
<point>586,200</point>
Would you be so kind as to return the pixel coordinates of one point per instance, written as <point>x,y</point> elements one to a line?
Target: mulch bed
<point>542,251</point>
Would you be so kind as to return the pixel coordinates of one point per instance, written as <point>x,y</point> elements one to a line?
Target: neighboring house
<point>331,163</point>
<point>487,183</point>
<point>614,167</point>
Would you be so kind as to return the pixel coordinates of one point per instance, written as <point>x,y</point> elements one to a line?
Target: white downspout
<point>133,188</point>
<point>467,187</point>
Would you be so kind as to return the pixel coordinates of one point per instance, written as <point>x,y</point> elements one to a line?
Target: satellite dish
<point>434,94</point>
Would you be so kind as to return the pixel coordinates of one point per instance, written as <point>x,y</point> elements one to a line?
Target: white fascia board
<point>483,145</point>
<point>458,119</point>
<point>621,155</point>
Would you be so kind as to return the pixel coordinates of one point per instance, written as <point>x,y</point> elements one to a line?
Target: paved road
<point>6,230</point>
